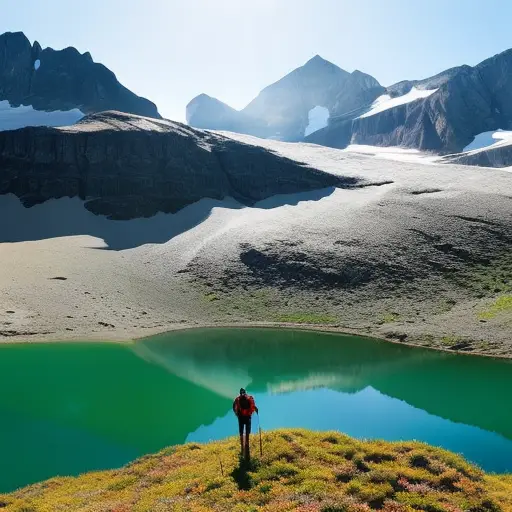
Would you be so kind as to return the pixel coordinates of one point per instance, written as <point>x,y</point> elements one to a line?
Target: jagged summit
<point>50,80</point>
<point>322,103</point>
<point>18,41</point>
<point>316,58</point>
<point>284,109</point>
<point>203,96</point>
<point>13,38</point>
<point>441,114</point>
<point>317,62</point>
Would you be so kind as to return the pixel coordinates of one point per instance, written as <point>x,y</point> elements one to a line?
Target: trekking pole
<point>259,428</point>
<point>220,461</point>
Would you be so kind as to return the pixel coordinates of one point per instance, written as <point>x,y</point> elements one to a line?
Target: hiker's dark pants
<point>244,420</point>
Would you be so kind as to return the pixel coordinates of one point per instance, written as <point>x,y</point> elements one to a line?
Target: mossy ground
<point>299,470</point>
<point>304,317</point>
<point>268,305</point>
<point>501,306</point>
<point>485,280</point>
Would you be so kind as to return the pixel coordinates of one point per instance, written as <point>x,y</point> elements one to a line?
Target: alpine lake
<point>68,408</point>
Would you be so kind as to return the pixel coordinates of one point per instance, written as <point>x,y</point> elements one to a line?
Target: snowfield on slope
<point>333,160</point>
<point>394,153</point>
<point>487,140</point>
<point>12,118</point>
<point>385,102</point>
<point>312,152</point>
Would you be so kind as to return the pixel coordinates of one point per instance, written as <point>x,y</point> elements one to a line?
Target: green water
<point>70,408</point>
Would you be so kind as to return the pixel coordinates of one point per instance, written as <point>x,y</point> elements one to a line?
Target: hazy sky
<point>172,50</point>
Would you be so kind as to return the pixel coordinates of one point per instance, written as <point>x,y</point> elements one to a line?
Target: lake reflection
<point>68,408</point>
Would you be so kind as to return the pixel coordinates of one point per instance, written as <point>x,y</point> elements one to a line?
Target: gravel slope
<point>423,257</point>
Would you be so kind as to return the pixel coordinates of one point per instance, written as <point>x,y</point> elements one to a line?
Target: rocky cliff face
<point>61,80</point>
<point>441,113</point>
<point>127,166</point>
<point>406,125</point>
<point>281,110</point>
<point>466,102</point>
<point>500,156</point>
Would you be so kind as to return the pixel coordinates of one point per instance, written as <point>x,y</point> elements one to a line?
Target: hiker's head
<point>242,391</point>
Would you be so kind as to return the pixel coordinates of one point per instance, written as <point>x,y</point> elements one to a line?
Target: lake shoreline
<point>105,404</point>
<point>338,330</point>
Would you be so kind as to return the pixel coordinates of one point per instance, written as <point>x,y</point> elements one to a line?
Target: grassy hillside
<point>299,470</point>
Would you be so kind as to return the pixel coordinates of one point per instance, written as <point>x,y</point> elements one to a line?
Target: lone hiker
<point>243,407</point>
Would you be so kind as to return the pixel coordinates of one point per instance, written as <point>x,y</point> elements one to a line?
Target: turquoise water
<point>69,408</point>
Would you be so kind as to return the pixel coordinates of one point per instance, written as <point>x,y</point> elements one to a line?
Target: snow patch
<point>348,162</point>
<point>12,118</point>
<point>385,102</point>
<point>37,64</point>
<point>318,118</point>
<point>394,153</point>
<point>487,139</point>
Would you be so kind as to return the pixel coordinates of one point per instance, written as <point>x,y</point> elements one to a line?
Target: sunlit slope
<point>299,470</point>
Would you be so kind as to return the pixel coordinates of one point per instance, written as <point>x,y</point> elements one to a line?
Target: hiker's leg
<point>241,431</point>
<point>247,435</point>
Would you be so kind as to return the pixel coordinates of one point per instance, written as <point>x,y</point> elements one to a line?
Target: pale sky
<point>171,50</point>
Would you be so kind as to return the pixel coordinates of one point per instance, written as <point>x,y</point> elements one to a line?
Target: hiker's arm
<point>234,405</point>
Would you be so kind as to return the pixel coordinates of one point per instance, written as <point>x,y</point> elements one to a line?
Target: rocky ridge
<point>50,80</point>
<point>464,102</point>
<point>128,166</point>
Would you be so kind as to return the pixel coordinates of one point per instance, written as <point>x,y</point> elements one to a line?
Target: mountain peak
<point>204,105</point>
<point>365,79</point>
<point>47,80</point>
<point>318,61</point>
<point>203,97</point>
<point>14,39</point>
<point>319,65</point>
<point>14,35</point>
<point>317,58</point>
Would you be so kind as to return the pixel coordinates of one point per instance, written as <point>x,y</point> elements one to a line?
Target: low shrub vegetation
<point>299,471</point>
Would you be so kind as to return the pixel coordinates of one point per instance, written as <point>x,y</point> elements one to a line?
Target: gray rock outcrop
<point>127,166</point>
<point>499,156</point>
